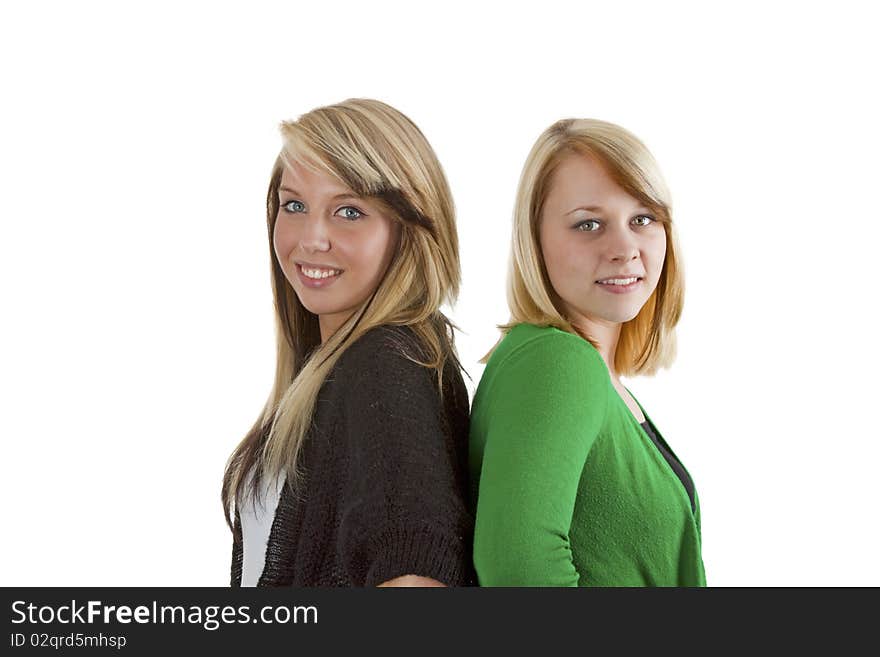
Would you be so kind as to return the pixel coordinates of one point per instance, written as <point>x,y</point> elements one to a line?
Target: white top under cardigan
<point>256,523</point>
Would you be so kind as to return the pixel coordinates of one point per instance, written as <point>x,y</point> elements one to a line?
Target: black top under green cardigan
<point>384,485</point>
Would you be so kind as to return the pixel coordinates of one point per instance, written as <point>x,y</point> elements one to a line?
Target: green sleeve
<point>546,406</point>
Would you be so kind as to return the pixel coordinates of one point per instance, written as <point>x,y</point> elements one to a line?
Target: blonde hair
<point>647,342</point>
<point>378,153</point>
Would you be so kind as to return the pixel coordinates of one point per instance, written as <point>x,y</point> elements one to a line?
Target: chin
<point>621,315</point>
<point>316,308</point>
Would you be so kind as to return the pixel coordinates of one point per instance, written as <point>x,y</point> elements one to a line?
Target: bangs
<point>636,173</point>
<point>342,154</point>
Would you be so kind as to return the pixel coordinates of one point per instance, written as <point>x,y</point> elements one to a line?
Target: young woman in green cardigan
<point>573,483</point>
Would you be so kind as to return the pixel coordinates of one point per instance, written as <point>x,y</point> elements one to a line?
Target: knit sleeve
<point>404,510</point>
<point>237,552</point>
<point>545,409</point>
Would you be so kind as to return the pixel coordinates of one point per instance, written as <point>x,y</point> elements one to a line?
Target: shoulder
<point>382,348</point>
<point>530,350</point>
<point>384,367</point>
<point>542,369</point>
<point>388,398</point>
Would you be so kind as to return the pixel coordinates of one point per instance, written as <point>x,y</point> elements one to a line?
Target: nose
<point>622,245</point>
<point>315,237</point>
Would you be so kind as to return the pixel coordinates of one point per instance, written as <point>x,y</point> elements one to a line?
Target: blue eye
<point>586,226</point>
<point>349,212</point>
<point>649,219</point>
<point>294,206</point>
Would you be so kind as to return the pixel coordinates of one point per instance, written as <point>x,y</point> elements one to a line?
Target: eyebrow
<point>599,208</point>
<point>588,208</point>
<point>335,198</point>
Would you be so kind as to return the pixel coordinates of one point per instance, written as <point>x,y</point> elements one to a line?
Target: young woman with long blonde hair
<point>355,472</point>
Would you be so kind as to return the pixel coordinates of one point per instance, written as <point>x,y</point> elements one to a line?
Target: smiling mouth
<point>318,273</point>
<point>619,281</point>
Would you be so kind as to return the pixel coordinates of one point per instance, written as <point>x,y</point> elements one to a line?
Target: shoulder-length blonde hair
<point>647,342</point>
<point>380,154</point>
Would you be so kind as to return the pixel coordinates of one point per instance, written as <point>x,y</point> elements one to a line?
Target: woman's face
<point>602,248</point>
<point>333,245</point>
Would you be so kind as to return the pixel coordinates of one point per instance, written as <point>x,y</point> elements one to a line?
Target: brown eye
<point>643,220</point>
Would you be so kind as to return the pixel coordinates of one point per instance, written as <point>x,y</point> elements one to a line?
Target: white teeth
<point>320,273</point>
<point>619,281</point>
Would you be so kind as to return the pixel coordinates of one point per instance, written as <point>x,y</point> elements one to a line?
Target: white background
<point>137,340</point>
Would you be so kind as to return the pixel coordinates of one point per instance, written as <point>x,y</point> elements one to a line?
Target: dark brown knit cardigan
<point>384,491</point>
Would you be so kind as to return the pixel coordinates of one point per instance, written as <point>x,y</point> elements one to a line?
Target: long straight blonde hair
<point>380,154</point>
<point>647,342</point>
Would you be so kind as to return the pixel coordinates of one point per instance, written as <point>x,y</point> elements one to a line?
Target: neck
<point>328,324</point>
<point>604,335</point>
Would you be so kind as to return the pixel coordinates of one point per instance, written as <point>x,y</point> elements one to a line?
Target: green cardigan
<point>568,488</point>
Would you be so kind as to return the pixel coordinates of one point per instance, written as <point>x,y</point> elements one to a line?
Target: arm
<point>404,518</point>
<point>545,410</point>
<point>412,581</point>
